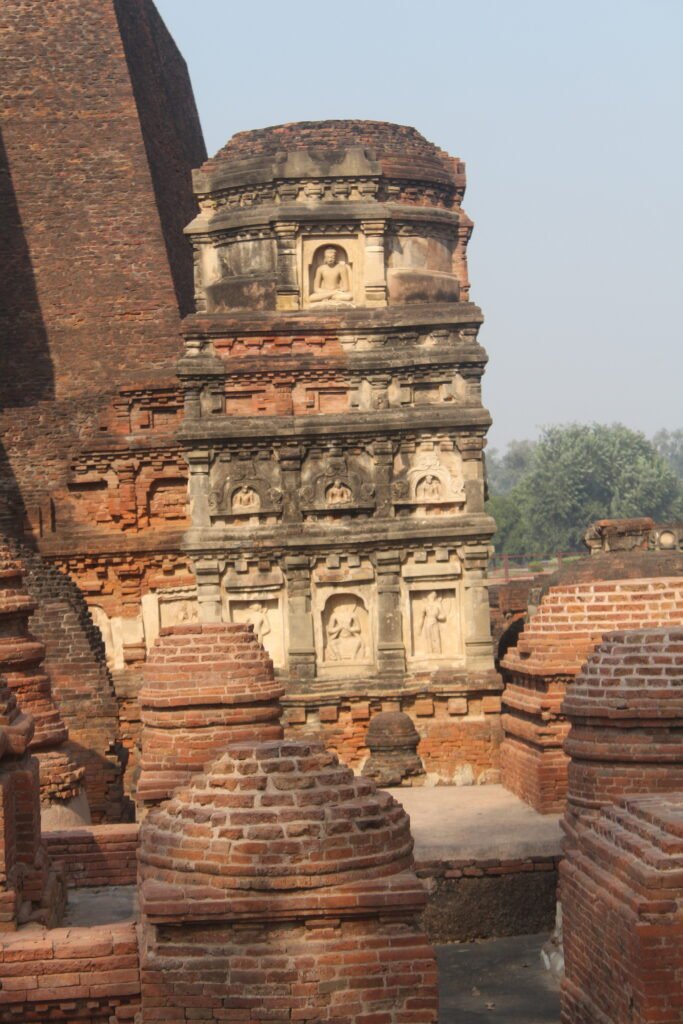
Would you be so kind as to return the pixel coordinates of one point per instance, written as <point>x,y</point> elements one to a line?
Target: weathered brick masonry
<point>621,877</point>
<point>21,665</point>
<point>100,134</point>
<point>70,975</point>
<point>29,888</point>
<point>275,885</point>
<point>602,593</point>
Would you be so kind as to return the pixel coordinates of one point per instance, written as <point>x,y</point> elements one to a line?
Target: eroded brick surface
<point>569,623</point>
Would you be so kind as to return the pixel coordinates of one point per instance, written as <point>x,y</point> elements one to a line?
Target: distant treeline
<point>543,494</point>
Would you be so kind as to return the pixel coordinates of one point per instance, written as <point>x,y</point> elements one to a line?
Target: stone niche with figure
<point>433,609</point>
<point>256,595</point>
<point>335,483</point>
<point>344,610</point>
<point>332,273</point>
<point>245,490</point>
<point>428,478</point>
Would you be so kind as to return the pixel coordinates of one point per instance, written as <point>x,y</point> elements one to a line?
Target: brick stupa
<point>621,879</point>
<point>275,885</point>
<point>62,796</point>
<point>619,588</point>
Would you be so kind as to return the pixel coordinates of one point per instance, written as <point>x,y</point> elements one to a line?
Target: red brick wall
<point>100,134</point>
<point>81,684</point>
<point>557,640</point>
<point>95,855</point>
<point>623,916</point>
<point>324,971</point>
<point>70,975</point>
<point>459,735</point>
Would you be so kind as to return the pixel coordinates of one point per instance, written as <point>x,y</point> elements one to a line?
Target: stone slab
<point>477,823</point>
<point>498,980</point>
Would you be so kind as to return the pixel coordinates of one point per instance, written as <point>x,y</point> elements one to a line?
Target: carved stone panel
<point>245,491</point>
<point>434,628</point>
<point>263,612</point>
<point>428,479</point>
<point>255,594</point>
<point>332,272</point>
<point>344,611</point>
<point>335,483</point>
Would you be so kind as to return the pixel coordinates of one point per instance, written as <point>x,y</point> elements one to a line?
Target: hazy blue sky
<point>568,115</point>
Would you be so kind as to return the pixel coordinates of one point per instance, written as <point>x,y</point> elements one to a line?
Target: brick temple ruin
<point>243,579</point>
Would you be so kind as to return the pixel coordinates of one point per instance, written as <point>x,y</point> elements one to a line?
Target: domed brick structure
<point>277,886</point>
<point>392,740</point>
<point>625,710</point>
<point>63,799</point>
<point>622,891</point>
<point>205,685</point>
<point>625,589</point>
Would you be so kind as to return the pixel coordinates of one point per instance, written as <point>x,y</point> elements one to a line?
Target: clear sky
<point>569,117</point>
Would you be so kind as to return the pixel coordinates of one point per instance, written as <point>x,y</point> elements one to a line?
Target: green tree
<point>504,471</point>
<point>580,473</point>
<point>669,443</point>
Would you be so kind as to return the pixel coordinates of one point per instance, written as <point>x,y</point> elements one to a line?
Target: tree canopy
<point>543,495</point>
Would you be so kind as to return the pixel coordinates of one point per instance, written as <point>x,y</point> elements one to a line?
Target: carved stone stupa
<point>334,425</point>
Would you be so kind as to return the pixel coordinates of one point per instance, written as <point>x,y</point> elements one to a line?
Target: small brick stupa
<point>621,879</point>
<point>392,740</point>
<point>205,686</point>
<point>29,889</point>
<point>62,797</point>
<point>275,885</point>
<point>621,587</point>
<point>626,716</point>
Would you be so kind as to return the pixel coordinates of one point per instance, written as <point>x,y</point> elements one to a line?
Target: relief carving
<point>331,274</point>
<point>434,625</point>
<point>429,478</point>
<point>431,618</point>
<point>336,482</point>
<point>338,494</point>
<point>262,610</point>
<point>245,488</point>
<point>257,617</point>
<point>245,499</point>
<point>345,629</point>
<point>428,489</point>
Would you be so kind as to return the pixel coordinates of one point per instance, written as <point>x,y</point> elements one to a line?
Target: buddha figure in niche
<point>428,489</point>
<point>332,281</point>
<point>246,500</point>
<point>338,494</point>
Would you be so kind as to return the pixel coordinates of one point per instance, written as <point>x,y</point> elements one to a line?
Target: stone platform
<point>477,823</point>
<point>489,860</point>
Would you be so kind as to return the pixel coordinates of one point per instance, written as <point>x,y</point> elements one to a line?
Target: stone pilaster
<point>288,286</point>
<point>290,468</point>
<point>199,486</point>
<point>208,573</point>
<point>478,648</point>
<point>391,654</point>
<point>375,273</point>
<point>301,637</point>
<point>383,452</point>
